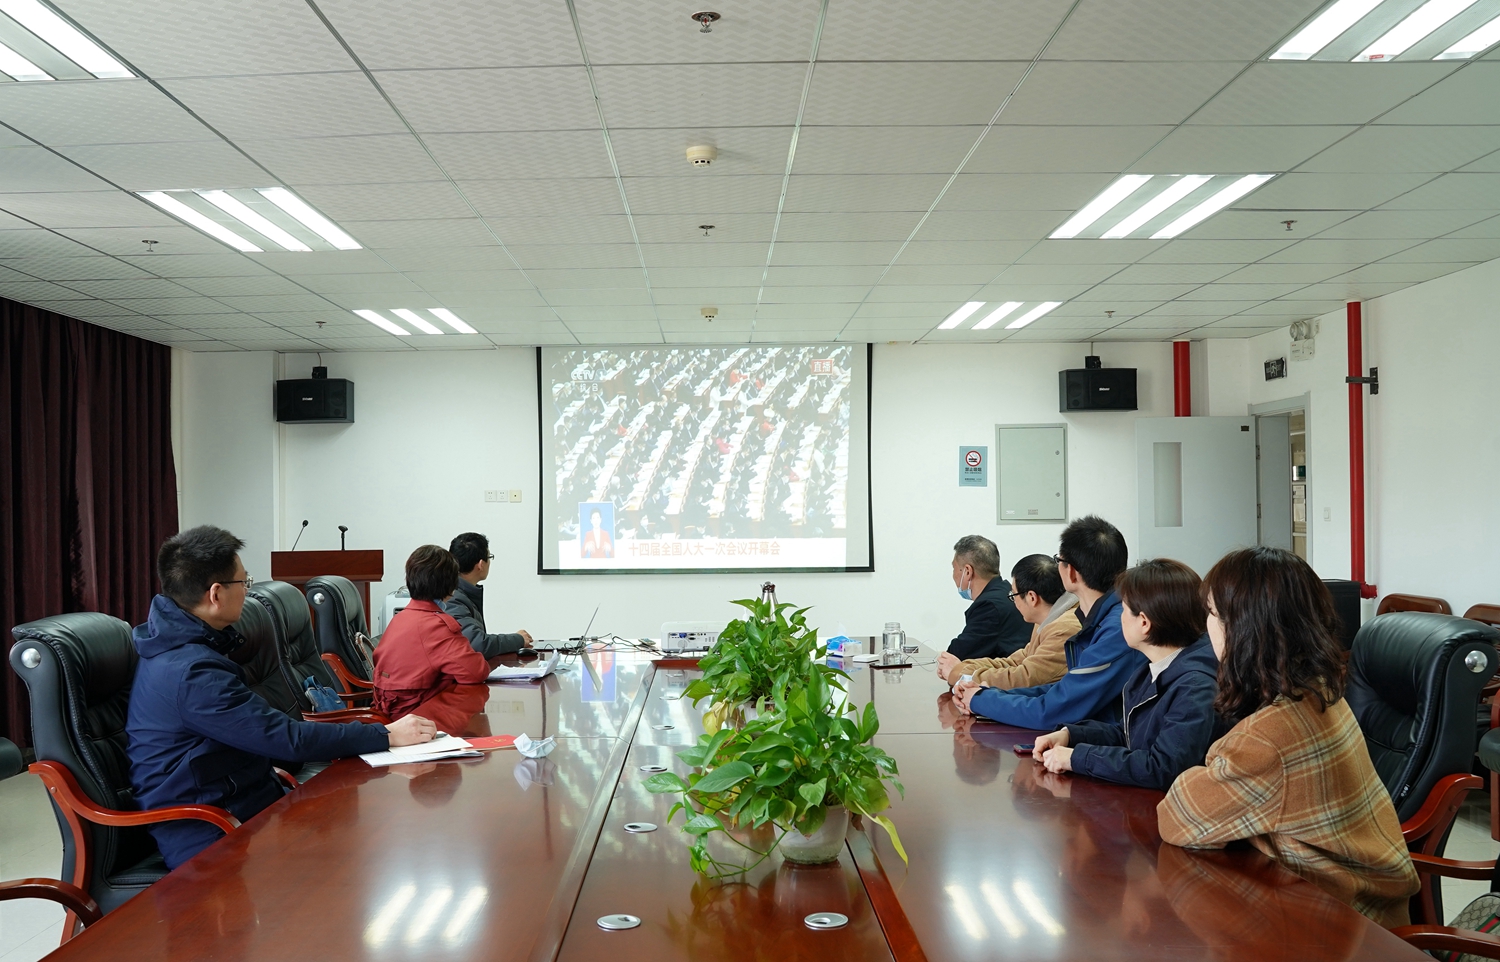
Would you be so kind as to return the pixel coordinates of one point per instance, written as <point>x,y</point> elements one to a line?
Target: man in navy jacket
<point>993,628</point>
<point>1091,555</point>
<point>197,734</point>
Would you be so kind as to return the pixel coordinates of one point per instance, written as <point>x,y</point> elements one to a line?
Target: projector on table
<point>685,636</point>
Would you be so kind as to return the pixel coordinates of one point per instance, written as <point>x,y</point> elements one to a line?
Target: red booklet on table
<point>491,742</point>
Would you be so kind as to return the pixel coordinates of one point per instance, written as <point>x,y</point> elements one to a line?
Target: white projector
<point>688,636</point>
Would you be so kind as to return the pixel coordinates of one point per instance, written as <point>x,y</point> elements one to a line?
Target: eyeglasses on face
<point>247,581</point>
<point>1059,559</point>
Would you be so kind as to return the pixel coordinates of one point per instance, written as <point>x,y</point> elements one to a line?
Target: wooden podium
<point>361,567</point>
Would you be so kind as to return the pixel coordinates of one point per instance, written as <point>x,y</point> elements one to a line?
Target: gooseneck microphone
<point>343,530</point>
<point>299,534</point>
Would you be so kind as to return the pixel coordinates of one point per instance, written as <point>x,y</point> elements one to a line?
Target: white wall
<point>225,449</point>
<point>434,430</point>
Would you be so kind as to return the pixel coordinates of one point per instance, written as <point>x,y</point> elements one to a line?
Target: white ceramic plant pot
<point>824,845</point>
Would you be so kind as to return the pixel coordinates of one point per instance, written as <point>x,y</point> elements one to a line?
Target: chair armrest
<point>343,715</point>
<point>1445,938</point>
<point>69,896</point>
<point>1441,805</point>
<point>66,791</point>
<point>1452,868</point>
<point>284,777</point>
<point>352,682</point>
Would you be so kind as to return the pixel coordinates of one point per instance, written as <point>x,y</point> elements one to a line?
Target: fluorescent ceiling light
<point>384,323</point>
<point>1101,205</point>
<point>251,219</point>
<point>1185,185</point>
<point>208,226</point>
<point>19,68</point>
<point>308,217</point>
<point>64,37</point>
<point>1032,314</point>
<point>447,317</point>
<point>960,315</point>
<point>994,317</point>
<point>1213,205</point>
<point>1475,43</point>
<point>1425,19</point>
<point>1324,29</point>
<point>420,323</point>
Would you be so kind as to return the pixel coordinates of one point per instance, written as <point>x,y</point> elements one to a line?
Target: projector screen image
<point>681,459</point>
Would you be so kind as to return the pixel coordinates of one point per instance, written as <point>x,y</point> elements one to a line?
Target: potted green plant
<point>757,661</point>
<point>801,768</point>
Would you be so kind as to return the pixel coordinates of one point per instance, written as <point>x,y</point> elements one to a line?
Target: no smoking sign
<point>973,466</point>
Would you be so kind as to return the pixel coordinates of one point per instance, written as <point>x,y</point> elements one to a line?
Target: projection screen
<point>704,459</point>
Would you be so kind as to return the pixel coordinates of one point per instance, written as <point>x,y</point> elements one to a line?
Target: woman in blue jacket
<point>1167,709</point>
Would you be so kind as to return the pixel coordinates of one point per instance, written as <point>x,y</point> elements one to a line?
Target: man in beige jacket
<point>1037,591</point>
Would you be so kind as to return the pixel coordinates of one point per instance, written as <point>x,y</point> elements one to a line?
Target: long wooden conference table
<point>504,857</point>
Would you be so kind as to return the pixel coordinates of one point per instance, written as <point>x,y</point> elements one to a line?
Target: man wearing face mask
<point>993,628</point>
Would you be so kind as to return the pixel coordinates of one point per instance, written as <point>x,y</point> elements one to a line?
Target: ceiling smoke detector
<point>702,155</point>
<point>709,313</point>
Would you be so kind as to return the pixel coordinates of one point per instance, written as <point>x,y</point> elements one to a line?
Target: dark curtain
<point>89,490</point>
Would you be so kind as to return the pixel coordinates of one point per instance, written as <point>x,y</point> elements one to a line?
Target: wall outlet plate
<point>515,495</point>
<point>492,495</point>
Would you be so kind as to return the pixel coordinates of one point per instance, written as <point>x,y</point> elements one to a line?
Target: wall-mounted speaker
<point>315,401</point>
<point>1096,389</point>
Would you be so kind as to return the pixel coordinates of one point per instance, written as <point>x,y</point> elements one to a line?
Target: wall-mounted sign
<point>1275,368</point>
<point>973,466</point>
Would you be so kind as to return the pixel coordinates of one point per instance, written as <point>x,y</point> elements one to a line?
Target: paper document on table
<point>532,671</point>
<point>445,747</point>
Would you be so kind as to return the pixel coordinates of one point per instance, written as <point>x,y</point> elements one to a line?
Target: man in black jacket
<point>993,628</point>
<point>466,604</point>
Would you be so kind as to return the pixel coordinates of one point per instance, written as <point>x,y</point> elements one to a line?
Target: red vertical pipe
<point>1354,320</point>
<point>1182,379</point>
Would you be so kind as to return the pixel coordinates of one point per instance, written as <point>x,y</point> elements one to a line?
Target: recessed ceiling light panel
<point>416,320</point>
<point>960,315</point>
<point>1382,31</point>
<point>450,319</point>
<point>1045,307</point>
<point>64,38</point>
<point>1417,25</point>
<point>198,219</point>
<point>310,218</point>
<point>1139,205</point>
<point>261,219</point>
<point>1212,205</point>
<point>20,69</point>
<point>1112,197</point>
<point>384,323</point>
<point>1474,44</point>
<point>997,315</point>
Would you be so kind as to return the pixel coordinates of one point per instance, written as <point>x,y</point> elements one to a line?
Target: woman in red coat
<point>423,652</point>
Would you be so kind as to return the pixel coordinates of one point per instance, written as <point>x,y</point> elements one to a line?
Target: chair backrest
<point>292,624</point>
<point>1414,683</point>
<point>1484,614</point>
<point>78,669</point>
<point>1398,602</point>
<point>341,613</point>
<point>260,659</point>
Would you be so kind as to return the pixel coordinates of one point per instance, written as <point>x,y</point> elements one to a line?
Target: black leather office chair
<point>12,762</point>
<point>340,616</point>
<point>78,669</point>
<point>259,658</point>
<point>1414,686</point>
<point>291,623</point>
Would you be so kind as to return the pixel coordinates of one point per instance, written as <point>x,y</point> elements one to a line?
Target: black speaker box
<point>1346,604</point>
<point>1096,389</point>
<point>315,401</point>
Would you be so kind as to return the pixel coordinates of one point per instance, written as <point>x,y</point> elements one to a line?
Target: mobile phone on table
<point>1025,749</point>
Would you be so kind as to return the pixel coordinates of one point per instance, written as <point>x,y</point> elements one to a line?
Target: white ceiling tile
<point>35,168</point>
<point>1135,292</point>
<point>223,264</point>
<point>646,31</point>
<point>962,30</point>
<point>1268,224</point>
<point>438,259</point>
<point>291,105</point>
<point>936,93</point>
<point>1392,149</point>
<point>1175,30</point>
<point>259,284</point>
<point>522,153</point>
<point>275,302</point>
<point>967,274</point>
<point>1050,192</point>
<point>326,262</point>
<point>1319,250</point>
<point>823,314</point>
<point>994,254</point>
<point>82,308</point>
<point>1318,93</point>
<point>164,306</point>
<point>407,201</point>
<point>1295,308</point>
<point>128,240</point>
<point>397,35</point>
<point>1341,289</point>
<point>862,252</point>
<point>1014,289</point>
<point>464,302</point>
<point>1042,149</point>
<point>570,229</point>
<point>703,295</point>
<point>29,291</point>
<point>1169,273</point>
<point>1329,191</point>
<point>670,278</point>
<point>573,255</point>
<point>551,197</point>
<point>1414,272</point>
<point>621,277</point>
<point>693,194</point>
<point>53,268</point>
<point>1415,224</point>
<point>1115,93</point>
<point>346,284</point>
<point>1276,273</point>
<point>951,224</point>
<point>93,112</point>
<point>1194,251</point>
<point>823,294</point>
<point>110,208</point>
<point>39,243</point>
<point>596,296</point>
<point>704,255</point>
<point>1185,308</point>
<point>1064,274</point>
<point>612,320</point>
<point>1237,150</point>
<point>132,287</point>
<point>699,95</point>
<point>1463,191</point>
<point>492,280</point>
<point>686,229</point>
<point>452,232</point>
<point>1231,328</point>
<point>362,159</point>
<point>1444,249</point>
<point>882,150</point>
<point>792,276</point>
<point>204,163</point>
<point>1466,97</point>
<point>662,152</point>
<point>190,38</point>
<point>1089,251</point>
<point>863,192</point>
<point>517,98</point>
<point>846,226</point>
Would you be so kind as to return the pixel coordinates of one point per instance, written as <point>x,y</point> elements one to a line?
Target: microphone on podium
<point>299,534</point>
<point>343,530</point>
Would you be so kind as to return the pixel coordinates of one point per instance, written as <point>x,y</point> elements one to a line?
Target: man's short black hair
<point>979,551</point>
<point>431,573</point>
<point>469,549</point>
<point>192,561</point>
<point>1038,572</point>
<point>1096,550</point>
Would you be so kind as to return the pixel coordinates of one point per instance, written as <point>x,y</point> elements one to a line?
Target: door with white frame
<point>1196,484</point>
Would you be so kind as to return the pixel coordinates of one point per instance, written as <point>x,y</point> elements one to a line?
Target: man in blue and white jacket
<point>1091,555</point>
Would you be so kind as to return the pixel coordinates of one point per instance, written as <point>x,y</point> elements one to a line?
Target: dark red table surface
<point>508,858</point>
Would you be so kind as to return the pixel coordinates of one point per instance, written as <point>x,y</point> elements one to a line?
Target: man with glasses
<point>1091,555</point>
<point>197,734</point>
<point>466,605</point>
